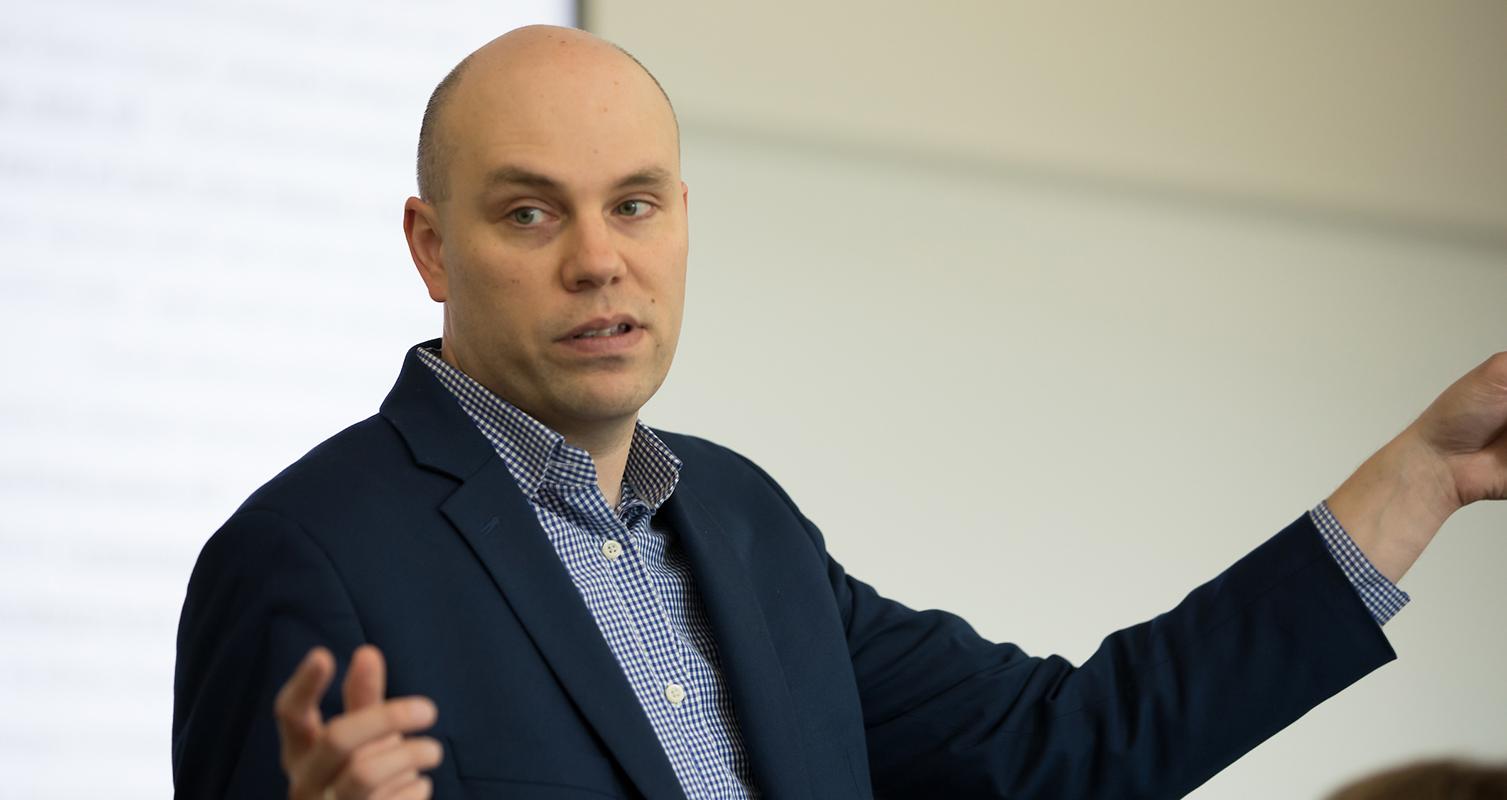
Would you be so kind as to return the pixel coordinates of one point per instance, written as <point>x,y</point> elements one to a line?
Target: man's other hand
<point>1454,454</point>
<point>362,753</point>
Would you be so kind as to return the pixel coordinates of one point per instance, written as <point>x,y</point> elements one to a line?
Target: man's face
<point>563,238</point>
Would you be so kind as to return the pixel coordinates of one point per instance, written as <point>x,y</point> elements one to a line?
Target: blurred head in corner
<point>1431,780</point>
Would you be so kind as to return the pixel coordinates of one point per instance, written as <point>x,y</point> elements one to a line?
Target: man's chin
<point>606,406</point>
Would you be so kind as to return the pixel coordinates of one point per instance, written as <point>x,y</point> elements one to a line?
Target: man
<point>574,605</point>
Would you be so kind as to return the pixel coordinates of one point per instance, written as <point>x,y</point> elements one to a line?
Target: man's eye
<point>527,216</point>
<point>635,208</point>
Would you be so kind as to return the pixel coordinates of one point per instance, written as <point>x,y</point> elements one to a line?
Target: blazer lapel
<point>750,665</point>
<point>502,530</point>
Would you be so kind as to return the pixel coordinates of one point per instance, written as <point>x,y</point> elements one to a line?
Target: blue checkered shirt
<point>634,578</point>
<point>638,585</point>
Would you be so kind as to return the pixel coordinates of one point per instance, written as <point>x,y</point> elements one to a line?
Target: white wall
<point>1053,399</point>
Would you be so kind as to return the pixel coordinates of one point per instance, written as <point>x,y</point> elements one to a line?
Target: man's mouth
<point>615,330</point>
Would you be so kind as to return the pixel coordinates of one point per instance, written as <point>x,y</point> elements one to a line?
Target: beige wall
<point>1393,109</point>
<point>1052,395</point>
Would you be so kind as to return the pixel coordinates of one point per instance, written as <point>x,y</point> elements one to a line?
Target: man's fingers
<point>1466,427</point>
<point>297,704</point>
<point>1472,412</point>
<point>366,680</point>
<point>378,771</point>
<point>349,731</point>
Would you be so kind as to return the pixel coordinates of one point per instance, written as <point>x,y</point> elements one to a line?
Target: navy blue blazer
<point>407,531</point>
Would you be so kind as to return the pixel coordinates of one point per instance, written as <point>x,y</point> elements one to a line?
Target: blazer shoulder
<point>704,457</point>
<point>726,472</point>
<point>690,448</point>
<point>368,465</point>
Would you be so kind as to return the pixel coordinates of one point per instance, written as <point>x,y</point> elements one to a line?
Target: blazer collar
<point>438,432</point>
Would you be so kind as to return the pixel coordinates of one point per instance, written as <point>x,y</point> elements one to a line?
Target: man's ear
<point>421,228</point>
<point>685,197</point>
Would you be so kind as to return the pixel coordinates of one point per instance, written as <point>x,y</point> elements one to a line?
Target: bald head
<point>518,54</point>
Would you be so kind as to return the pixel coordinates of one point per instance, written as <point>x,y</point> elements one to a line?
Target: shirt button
<point>611,549</point>
<point>675,693</point>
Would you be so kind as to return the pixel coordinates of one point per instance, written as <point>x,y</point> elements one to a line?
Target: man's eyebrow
<point>653,176</point>
<point>518,176</point>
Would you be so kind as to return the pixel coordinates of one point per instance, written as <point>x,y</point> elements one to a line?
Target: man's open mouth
<point>615,330</point>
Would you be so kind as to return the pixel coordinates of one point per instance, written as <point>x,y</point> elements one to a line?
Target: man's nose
<point>593,259</point>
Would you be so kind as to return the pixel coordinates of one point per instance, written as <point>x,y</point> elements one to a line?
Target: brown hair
<point>1431,780</point>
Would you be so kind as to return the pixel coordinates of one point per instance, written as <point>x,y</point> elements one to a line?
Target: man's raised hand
<point>363,752</point>
<point>1454,454</point>
<point>1467,428</point>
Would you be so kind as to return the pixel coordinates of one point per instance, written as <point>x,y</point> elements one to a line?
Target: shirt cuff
<point>1381,597</point>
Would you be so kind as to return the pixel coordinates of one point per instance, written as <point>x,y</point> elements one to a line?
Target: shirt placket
<point>717,760</point>
<point>642,614</point>
<point>659,643</point>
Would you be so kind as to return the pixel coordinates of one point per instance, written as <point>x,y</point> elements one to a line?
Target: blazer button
<point>612,549</point>
<point>675,693</point>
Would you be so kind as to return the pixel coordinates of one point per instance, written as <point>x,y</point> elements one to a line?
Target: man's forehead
<point>566,141</point>
<point>600,154</point>
<point>558,103</point>
<point>537,109</point>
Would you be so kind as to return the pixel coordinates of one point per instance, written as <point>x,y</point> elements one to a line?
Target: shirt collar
<point>537,456</point>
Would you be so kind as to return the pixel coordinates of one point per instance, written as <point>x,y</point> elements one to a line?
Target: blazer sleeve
<point>261,595</point>
<point>1156,711</point>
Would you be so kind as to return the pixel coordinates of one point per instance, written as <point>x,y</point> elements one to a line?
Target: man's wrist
<point>1395,502</point>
